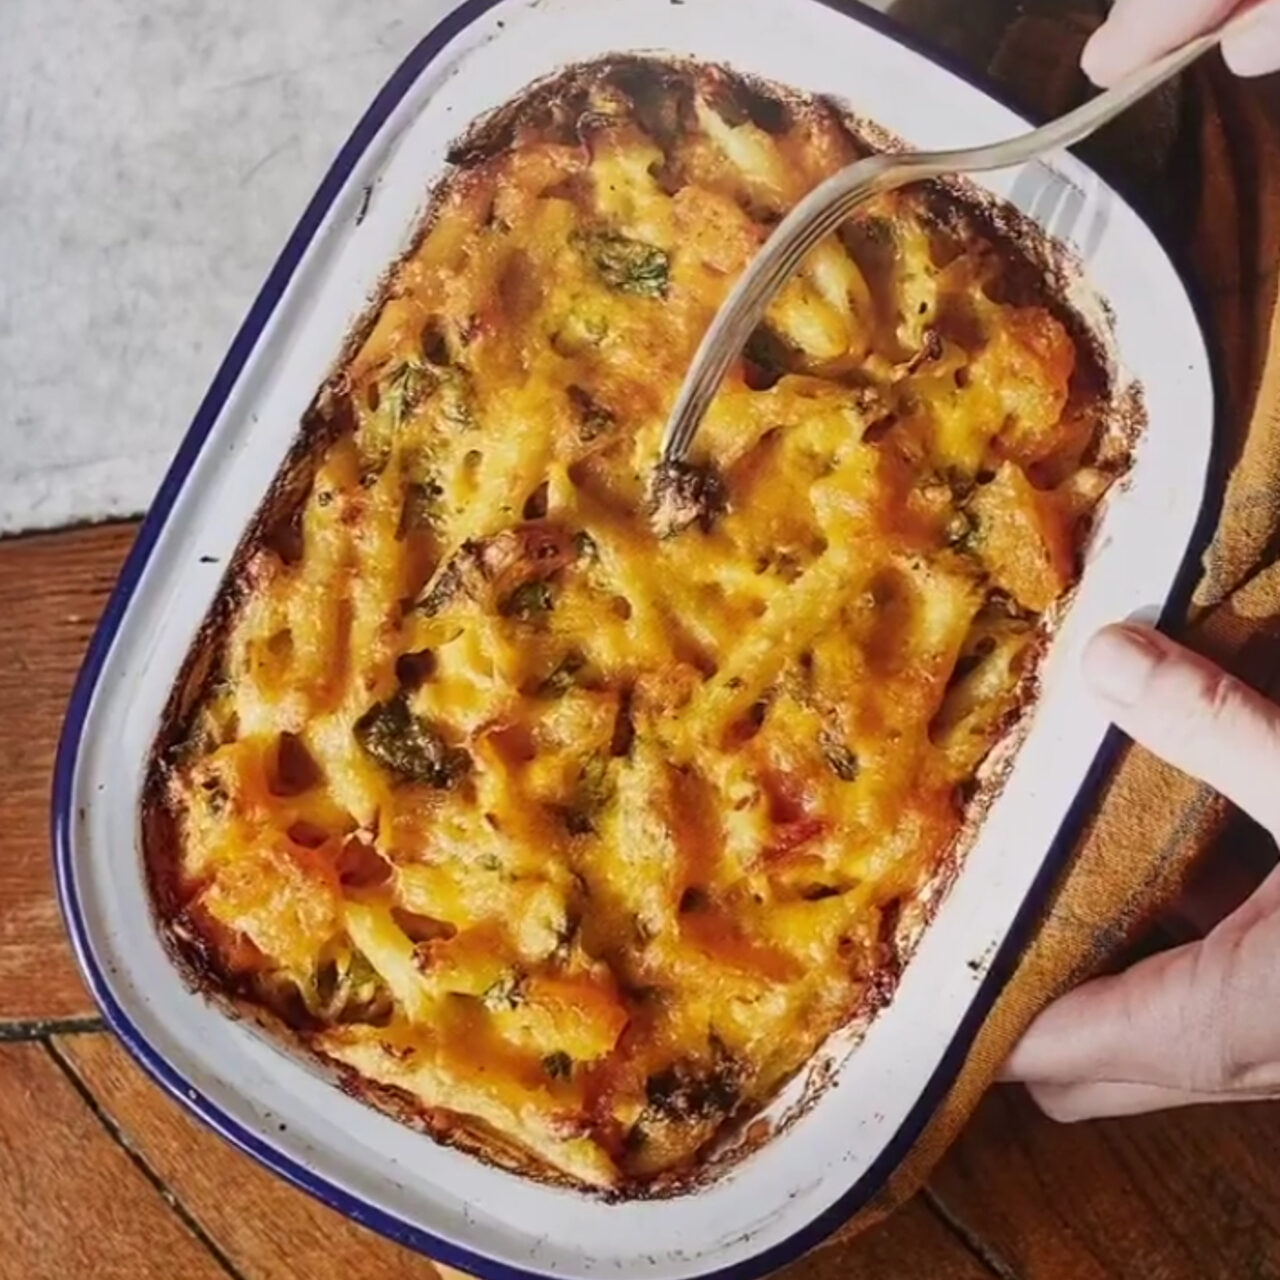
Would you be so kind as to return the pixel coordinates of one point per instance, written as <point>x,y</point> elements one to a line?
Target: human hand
<point>1140,30</point>
<point>1200,1023</point>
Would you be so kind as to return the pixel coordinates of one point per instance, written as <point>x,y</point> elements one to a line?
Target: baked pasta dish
<point>567,807</point>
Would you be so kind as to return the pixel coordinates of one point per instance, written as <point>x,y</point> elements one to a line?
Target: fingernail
<point>1120,661</point>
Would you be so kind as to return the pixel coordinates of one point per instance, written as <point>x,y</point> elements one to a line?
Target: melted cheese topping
<point>582,835</point>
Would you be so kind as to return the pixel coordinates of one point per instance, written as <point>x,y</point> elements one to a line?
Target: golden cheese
<point>579,833</point>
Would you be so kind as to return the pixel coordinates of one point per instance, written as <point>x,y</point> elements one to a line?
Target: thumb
<point>1191,714</point>
<point>1151,1025</point>
<point>1139,31</point>
<point>1190,1025</point>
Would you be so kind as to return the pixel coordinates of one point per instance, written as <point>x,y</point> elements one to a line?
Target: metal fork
<point>829,204</point>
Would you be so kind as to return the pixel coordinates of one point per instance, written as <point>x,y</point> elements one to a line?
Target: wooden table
<point>102,1177</point>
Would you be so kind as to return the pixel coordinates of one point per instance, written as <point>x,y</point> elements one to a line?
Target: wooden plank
<point>912,1245</point>
<point>72,1202</point>
<point>52,589</point>
<point>266,1228</point>
<point>1190,1195</point>
<point>269,1231</point>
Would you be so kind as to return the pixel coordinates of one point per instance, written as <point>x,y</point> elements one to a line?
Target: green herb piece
<point>690,1090</point>
<point>563,677</point>
<point>631,266</point>
<point>594,420</point>
<point>406,390</point>
<point>593,782</point>
<point>346,988</point>
<point>365,998</point>
<point>579,332</point>
<point>590,798</point>
<point>413,383</point>
<point>410,746</point>
<point>451,581</point>
<point>457,403</point>
<point>373,466</point>
<point>873,229</point>
<point>528,602</point>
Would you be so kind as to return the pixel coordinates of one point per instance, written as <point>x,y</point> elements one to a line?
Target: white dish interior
<point>802,1183</point>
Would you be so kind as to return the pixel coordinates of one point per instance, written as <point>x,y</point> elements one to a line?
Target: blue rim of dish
<point>64,819</point>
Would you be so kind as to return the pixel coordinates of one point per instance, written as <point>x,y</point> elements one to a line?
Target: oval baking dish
<point>878,1088</point>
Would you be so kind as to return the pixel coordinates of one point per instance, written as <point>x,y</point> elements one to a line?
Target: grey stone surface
<point>154,155</point>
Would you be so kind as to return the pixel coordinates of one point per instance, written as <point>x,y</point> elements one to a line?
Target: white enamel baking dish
<point>808,1180</point>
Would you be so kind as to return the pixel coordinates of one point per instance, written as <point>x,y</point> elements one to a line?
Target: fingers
<point>1189,713</point>
<point>1158,1024</point>
<point>1069,1104</point>
<point>1196,1023</point>
<point>1139,31</point>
